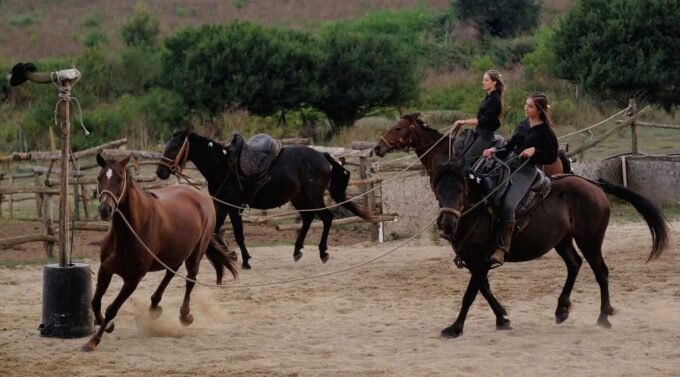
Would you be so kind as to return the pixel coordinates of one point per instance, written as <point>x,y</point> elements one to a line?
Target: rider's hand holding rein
<point>527,153</point>
<point>490,152</point>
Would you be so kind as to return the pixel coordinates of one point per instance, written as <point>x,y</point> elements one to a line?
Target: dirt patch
<point>86,243</point>
<point>380,319</point>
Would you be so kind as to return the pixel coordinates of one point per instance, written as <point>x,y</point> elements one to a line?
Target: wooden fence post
<point>11,198</point>
<point>633,129</point>
<point>86,202</point>
<point>369,199</point>
<point>38,197</point>
<point>76,201</point>
<point>48,224</point>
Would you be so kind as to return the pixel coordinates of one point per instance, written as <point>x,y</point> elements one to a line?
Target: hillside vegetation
<point>333,71</point>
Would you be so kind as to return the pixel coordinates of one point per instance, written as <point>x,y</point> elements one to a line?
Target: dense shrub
<point>622,48</point>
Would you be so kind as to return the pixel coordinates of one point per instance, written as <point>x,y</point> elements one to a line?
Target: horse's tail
<point>566,162</point>
<point>338,186</point>
<point>656,222</point>
<point>220,257</point>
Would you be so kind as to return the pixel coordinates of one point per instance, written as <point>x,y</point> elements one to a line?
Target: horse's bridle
<point>177,165</point>
<point>402,143</point>
<point>122,192</point>
<point>453,211</point>
<point>457,213</point>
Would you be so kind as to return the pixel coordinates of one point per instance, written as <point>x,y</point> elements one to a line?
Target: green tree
<point>95,38</point>
<point>362,72</point>
<point>622,48</point>
<point>502,18</point>
<point>541,60</point>
<point>141,29</point>
<point>243,64</point>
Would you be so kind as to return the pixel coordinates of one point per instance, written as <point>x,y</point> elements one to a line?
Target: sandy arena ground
<point>381,319</point>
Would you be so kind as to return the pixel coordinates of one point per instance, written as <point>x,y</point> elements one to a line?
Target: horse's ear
<point>186,131</point>
<point>100,160</point>
<point>124,161</point>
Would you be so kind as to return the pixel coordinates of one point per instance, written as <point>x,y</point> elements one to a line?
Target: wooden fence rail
<point>80,188</point>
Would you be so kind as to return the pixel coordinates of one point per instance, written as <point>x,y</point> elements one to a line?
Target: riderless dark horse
<point>173,223</point>
<point>576,209</point>
<point>299,175</point>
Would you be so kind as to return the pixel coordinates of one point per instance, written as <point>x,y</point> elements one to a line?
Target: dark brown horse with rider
<point>575,210</point>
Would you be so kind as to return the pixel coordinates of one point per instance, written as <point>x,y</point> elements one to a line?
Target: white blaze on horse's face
<point>109,174</point>
<point>224,152</point>
<point>210,144</point>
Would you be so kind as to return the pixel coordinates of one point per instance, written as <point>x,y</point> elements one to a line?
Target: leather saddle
<point>256,154</point>
<point>467,137</point>
<point>492,173</point>
<point>250,160</point>
<point>540,188</point>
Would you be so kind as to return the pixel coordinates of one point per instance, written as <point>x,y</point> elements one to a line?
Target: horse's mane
<point>455,166</point>
<point>200,138</point>
<point>415,118</point>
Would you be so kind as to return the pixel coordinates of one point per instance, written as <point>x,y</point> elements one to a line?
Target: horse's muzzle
<point>380,151</point>
<point>105,211</point>
<point>163,172</point>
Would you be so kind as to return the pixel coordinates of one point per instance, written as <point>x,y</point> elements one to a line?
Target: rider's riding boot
<point>498,256</point>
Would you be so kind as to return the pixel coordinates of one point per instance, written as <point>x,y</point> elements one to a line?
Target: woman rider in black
<point>539,145</point>
<point>488,116</point>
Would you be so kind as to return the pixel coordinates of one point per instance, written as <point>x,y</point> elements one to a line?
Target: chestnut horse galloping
<point>576,209</point>
<point>175,223</point>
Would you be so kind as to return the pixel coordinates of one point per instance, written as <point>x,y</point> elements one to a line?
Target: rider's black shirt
<point>541,137</point>
<point>489,113</point>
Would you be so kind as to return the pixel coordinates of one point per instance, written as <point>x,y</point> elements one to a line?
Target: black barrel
<point>67,293</point>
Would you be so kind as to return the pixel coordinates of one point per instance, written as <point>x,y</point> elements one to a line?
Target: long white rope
<point>394,177</point>
<point>176,273</point>
<point>274,282</point>
<point>594,125</point>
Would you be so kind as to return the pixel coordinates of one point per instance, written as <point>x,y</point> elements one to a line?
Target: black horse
<point>299,175</point>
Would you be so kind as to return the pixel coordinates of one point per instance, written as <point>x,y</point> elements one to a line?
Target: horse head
<point>175,155</point>
<point>112,183</point>
<point>451,188</point>
<point>402,136</point>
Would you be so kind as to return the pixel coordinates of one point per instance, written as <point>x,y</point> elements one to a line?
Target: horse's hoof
<point>187,319</point>
<point>155,312</point>
<point>88,347</point>
<point>452,331</point>
<point>561,314</point>
<point>110,327</point>
<point>245,266</point>
<point>503,324</point>
<point>297,256</point>
<point>604,322</point>
<point>325,258</point>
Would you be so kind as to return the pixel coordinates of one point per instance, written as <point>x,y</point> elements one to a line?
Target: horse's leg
<point>103,280</point>
<point>237,224</point>
<point>307,218</point>
<point>573,261</point>
<point>125,292</point>
<point>155,310</point>
<point>593,253</point>
<point>192,265</point>
<point>478,275</point>
<point>327,218</point>
<point>502,323</point>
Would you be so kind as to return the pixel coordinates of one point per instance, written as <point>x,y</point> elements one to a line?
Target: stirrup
<point>495,263</point>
